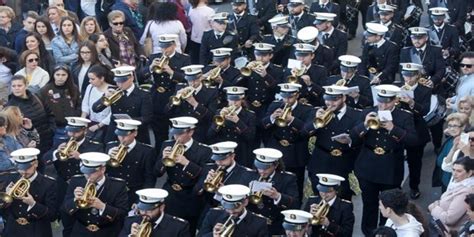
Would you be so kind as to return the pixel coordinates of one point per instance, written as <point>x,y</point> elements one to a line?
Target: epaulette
<point>49,177</point>
<point>408,111</point>
<point>407,47</point>
<point>179,219</point>
<point>268,35</point>
<point>357,109</point>
<point>276,65</point>
<point>212,87</point>
<point>347,201</point>
<point>325,46</point>
<point>259,215</point>
<point>145,144</point>
<point>248,110</point>
<point>437,46</point>
<point>232,33</point>
<point>248,169</point>
<point>116,179</point>
<point>185,54</point>
<point>78,176</point>
<point>95,142</point>
<point>210,164</point>
<point>217,208</point>
<point>203,144</point>
<point>287,172</point>
<point>112,142</point>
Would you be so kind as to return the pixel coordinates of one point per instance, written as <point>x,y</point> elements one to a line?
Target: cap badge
<point>218,51</point>
<point>286,86</point>
<point>144,197</point>
<point>324,179</point>
<point>383,92</point>
<point>175,122</point>
<point>262,157</point>
<point>21,157</point>
<point>416,30</point>
<point>300,46</point>
<point>189,70</point>
<point>73,121</point>
<point>293,216</point>
<point>349,63</point>
<point>85,161</point>
<point>215,148</point>
<point>330,90</point>
<point>162,38</point>
<point>121,124</point>
<point>228,196</point>
<point>260,45</point>
<point>234,89</point>
<point>408,65</point>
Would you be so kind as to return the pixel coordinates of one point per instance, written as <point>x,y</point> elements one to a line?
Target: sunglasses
<point>117,23</point>
<point>33,60</point>
<point>85,52</point>
<point>465,65</point>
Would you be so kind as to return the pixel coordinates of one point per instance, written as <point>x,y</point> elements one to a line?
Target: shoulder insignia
<point>287,172</point>
<point>95,142</point>
<point>436,46</point>
<point>325,46</point>
<point>259,215</point>
<point>357,109</point>
<point>116,179</point>
<point>248,169</point>
<point>78,176</point>
<point>251,111</point>
<point>407,111</point>
<point>407,47</point>
<point>347,201</point>
<point>179,219</point>
<point>276,65</point>
<point>210,164</point>
<point>145,144</point>
<point>112,142</point>
<point>219,208</point>
<point>185,54</point>
<point>268,35</point>
<point>49,177</point>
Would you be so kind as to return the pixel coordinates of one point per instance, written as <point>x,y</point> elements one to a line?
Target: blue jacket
<point>64,53</point>
<point>7,145</point>
<point>20,40</point>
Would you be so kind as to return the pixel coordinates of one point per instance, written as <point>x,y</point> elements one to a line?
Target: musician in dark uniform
<point>330,36</point>
<point>219,36</point>
<point>350,14</point>
<point>221,57</point>
<point>235,123</point>
<point>32,214</point>
<point>151,207</point>
<point>296,223</point>
<point>350,77</point>
<point>234,210</point>
<point>444,35</point>
<point>298,17</point>
<point>419,105</point>
<point>281,38</point>
<point>380,55</point>
<point>245,26</point>
<point>396,33</point>
<point>196,100</point>
<point>323,55</point>
<point>333,152</point>
<point>104,213</point>
<point>164,82</point>
<point>372,13</point>
<point>326,6</point>
<point>457,11</point>
<point>134,102</point>
<point>136,168</point>
<point>380,163</point>
<point>184,174</point>
<point>339,222</point>
<point>283,193</point>
<point>286,134</point>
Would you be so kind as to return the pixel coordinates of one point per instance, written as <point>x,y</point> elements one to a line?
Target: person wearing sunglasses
<point>465,85</point>
<point>37,77</point>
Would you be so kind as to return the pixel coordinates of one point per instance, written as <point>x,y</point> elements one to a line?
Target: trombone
<point>88,193</point>
<point>162,62</point>
<point>281,121</point>
<point>324,119</point>
<point>118,155</point>
<point>177,150</point>
<point>219,120</point>
<point>212,184</point>
<point>322,209</point>
<point>228,227</point>
<point>211,76</point>
<point>182,95</point>
<point>110,100</point>
<point>71,146</point>
<point>17,191</point>
<point>256,197</point>
<point>295,73</point>
<point>144,228</point>
<point>247,70</point>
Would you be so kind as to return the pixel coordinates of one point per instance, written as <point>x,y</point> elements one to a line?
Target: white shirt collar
<point>329,33</point>
<point>100,183</point>
<point>241,217</point>
<point>231,167</point>
<point>158,221</point>
<point>300,15</point>
<point>386,24</point>
<point>439,27</point>
<point>241,14</point>
<point>132,145</point>
<point>332,201</point>
<point>422,48</point>
<point>342,111</point>
<point>33,177</point>
<point>170,56</point>
<point>129,90</point>
<point>188,144</point>
<point>380,43</point>
<point>197,89</point>
<point>294,105</point>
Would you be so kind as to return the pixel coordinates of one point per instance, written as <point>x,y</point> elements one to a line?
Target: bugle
<point>256,197</point>
<point>177,150</point>
<point>110,100</point>
<point>17,191</point>
<point>211,76</point>
<point>184,94</point>
<point>118,155</point>
<point>212,184</point>
<point>322,209</point>
<point>162,62</point>
<point>228,227</point>
<point>71,146</point>
<point>144,228</point>
<point>281,120</point>
<point>324,119</point>
<point>247,70</point>
<point>219,120</point>
<point>295,73</point>
<point>88,193</point>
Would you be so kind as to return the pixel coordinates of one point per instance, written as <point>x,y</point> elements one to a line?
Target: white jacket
<point>411,229</point>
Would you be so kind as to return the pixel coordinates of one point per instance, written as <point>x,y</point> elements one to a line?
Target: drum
<point>437,110</point>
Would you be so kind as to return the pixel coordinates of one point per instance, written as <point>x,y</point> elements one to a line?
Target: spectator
<point>9,28</point>
<point>103,51</point>
<point>459,149</point>
<point>43,28</point>
<point>20,128</point>
<point>28,26</point>
<point>8,66</point>
<point>87,58</point>
<point>456,123</point>
<point>35,43</point>
<point>33,5</point>
<point>449,209</point>
<point>36,76</point>
<point>88,27</point>
<point>65,46</point>
<point>393,206</point>
<point>163,21</point>
<point>54,15</point>
<point>384,231</point>
<point>468,228</point>
<point>199,16</point>
<point>132,17</point>
<point>98,78</point>
<point>60,5</point>
<point>122,42</point>
<point>7,145</point>
<point>466,106</point>
<point>465,86</point>
<point>62,96</point>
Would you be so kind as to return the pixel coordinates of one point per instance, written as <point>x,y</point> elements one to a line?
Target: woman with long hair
<point>66,45</point>
<point>103,51</point>
<point>163,20</point>
<point>199,15</point>
<point>62,96</point>
<point>89,26</point>
<point>7,145</point>
<point>34,42</point>
<point>36,76</point>
<point>43,28</point>
<point>20,127</point>
<point>87,58</point>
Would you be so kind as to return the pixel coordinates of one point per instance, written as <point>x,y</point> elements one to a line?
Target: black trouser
<point>437,135</point>
<point>352,25</point>
<point>194,50</point>
<point>370,200</point>
<point>299,172</point>
<point>414,159</point>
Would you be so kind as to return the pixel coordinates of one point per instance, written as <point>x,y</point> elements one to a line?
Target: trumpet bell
<point>256,198</point>
<point>245,71</point>
<point>6,198</point>
<point>292,79</point>
<point>280,122</point>
<point>177,150</point>
<point>372,70</point>
<point>218,120</point>
<point>373,123</point>
<point>87,193</point>
<point>175,100</point>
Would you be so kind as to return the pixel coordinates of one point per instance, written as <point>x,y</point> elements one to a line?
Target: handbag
<point>148,44</point>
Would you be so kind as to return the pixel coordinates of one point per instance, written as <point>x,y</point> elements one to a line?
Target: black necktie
<point>297,19</point>
<point>420,51</point>
<point>237,17</point>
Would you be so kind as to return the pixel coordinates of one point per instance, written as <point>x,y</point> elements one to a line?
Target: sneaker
<point>414,194</point>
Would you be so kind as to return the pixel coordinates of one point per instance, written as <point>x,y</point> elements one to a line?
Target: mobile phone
<point>464,138</point>
<point>441,227</point>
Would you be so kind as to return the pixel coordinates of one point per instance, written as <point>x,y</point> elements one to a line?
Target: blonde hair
<point>9,11</point>
<point>115,14</point>
<point>14,119</point>
<point>467,99</point>
<point>83,35</point>
<point>460,117</point>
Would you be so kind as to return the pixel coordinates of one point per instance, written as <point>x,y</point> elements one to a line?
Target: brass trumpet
<point>145,228</point>
<point>88,193</point>
<point>324,119</point>
<point>110,100</point>
<point>322,209</point>
<point>212,184</point>
<point>118,155</point>
<point>71,146</point>
<point>295,73</point>
<point>373,123</point>
<point>162,62</point>
<point>211,76</point>
<point>281,121</point>
<point>177,150</point>
<point>247,70</point>
<point>184,94</point>
<point>256,197</point>
<point>219,120</point>
<point>228,227</point>
<point>19,190</point>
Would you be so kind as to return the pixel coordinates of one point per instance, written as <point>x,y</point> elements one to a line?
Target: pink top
<point>199,17</point>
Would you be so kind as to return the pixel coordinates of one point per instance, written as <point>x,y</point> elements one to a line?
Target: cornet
<point>71,146</point>
<point>211,76</point>
<point>88,193</point>
<point>281,121</point>
<point>19,190</point>
<point>117,156</point>
<point>322,209</point>
<point>247,70</point>
<point>110,100</point>
<point>324,119</point>
<point>212,184</point>
<point>184,94</point>
<point>373,123</point>
<point>162,62</point>
<point>219,120</point>
<point>295,73</point>
<point>228,227</point>
<point>256,197</point>
<point>145,228</point>
<point>177,150</point>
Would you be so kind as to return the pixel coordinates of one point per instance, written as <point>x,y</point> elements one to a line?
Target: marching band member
<point>298,17</point>
<point>457,12</point>
<point>245,26</point>
<point>31,214</point>
<point>228,75</point>
<point>419,105</point>
<point>151,211</point>
<point>219,36</point>
<point>296,223</point>
<point>131,160</point>
<point>326,6</point>
<point>165,68</point>
<point>282,39</point>
<point>132,101</point>
<point>333,152</point>
<point>284,125</point>
<point>444,35</point>
<point>339,219</point>
<point>323,55</point>
<point>233,214</point>
<point>382,139</point>
<point>183,160</point>
<point>350,77</point>
<point>283,193</point>
<point>379,56</point>
<point>235,123</point>
<point>100,214</point>
<point>396,32</point>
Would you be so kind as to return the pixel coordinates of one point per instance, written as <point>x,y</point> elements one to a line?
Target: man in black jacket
<point>281,38</point>
<point>219,36</point>
<point>296,223</point>
<point>299,18</point>
<point>245,26</point>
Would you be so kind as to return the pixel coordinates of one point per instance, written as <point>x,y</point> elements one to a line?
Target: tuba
<point>281,121</point>
<point>212,184</point>
<point>322,209</point>
<point>256,197</point>
<point>110,100</point>
<point>145,228</point>
<point>177,150</point>
<point>228,227</point>
<point>88,193</point>
<point>184,94</point>
<point>19,190</point>
<point>71,146</point>
<point>211,76</point>
<point>162,62</point>
<point>247,70</point>
<point>295,73</point>
<point>324,119</point>
<point>219,120</point>
<point>117,156</point>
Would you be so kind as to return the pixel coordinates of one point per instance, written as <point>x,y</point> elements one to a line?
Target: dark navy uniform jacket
<point>365,93</point>
<point>431,59</point>
<point>169,226</point>
<point>383,58</point>
<point>209,41</point>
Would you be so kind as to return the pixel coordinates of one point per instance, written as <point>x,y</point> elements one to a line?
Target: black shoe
<point>414,194</point>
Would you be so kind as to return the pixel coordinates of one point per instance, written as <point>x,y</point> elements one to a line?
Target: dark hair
<point>90,45</point>
<point>466,162</point>
<point>75,34</point>
<point>469,54</point>
<point>3,121</point>
<point>384,231</point>
<point>27,53</point>
<point>469,200</point>
<point>396,199</point>
<point>20,78</point>
<point>101,71</point>
<point>69,84</point>
<point>7,53</point>
<point>41,46</point>
<point>31,14</point>
<point>415,211</point>
<point>49,29</point>
<point>162,11</point>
